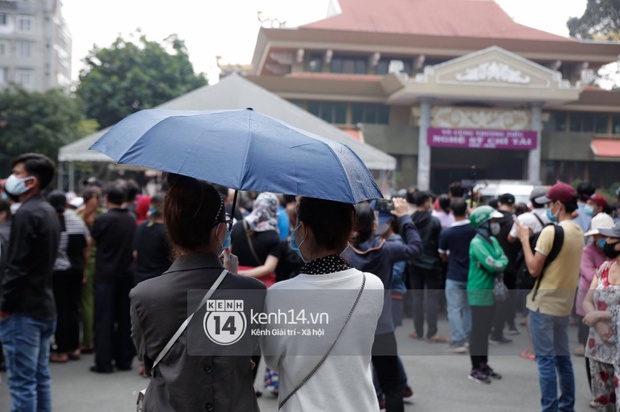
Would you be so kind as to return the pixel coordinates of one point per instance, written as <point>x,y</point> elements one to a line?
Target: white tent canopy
<point>235,92</point>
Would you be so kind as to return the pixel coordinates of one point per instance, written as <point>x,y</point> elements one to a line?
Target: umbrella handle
<point>232,212</point>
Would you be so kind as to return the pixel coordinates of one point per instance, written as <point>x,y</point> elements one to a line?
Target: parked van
<point>490,189</point>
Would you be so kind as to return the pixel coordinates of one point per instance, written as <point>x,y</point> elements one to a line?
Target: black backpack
<point>524,279</point>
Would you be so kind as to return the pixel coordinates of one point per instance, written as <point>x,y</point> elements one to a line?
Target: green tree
<point>37,122</point>
<point>130,76</point>
<point>600,21</point>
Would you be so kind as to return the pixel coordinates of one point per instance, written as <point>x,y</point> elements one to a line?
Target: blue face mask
<point>551,216</point>
<point>588,210</point>
<point>294,246</point>
<point>226,242</point>
<point>153,211</point>
<point>600,243</point>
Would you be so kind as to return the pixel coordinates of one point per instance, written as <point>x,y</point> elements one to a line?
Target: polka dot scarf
<point>324,265</point>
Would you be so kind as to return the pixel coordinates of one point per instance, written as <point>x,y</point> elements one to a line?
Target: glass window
<point>336,66</point>
<point>4,19</point>
<point>4,48</point>
<point>24,48</point>
<point>349,64</point>
<point>556,122</point>
<point>25,24</point>
<point>25,78</point>
<point>340,113</point>
<point>4,71</point>
<point>335,113</point>
<point>615,124</point>
<point>382,67</point>
<point>601,121</point>
<point>586,122</point>
<point>315,65</point>
<point>370,113</point>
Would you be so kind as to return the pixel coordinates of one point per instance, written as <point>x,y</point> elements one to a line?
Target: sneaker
<point>457,347</point>
<point>408,395</point>
<point>513,331</point>
<point>490,372</point>
<point>478,376</point>
<point>499,341</point>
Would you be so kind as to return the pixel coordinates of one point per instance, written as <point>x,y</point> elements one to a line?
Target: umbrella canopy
<point>240,149</point>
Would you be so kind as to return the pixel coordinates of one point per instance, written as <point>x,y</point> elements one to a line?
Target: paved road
<point>438,379</point>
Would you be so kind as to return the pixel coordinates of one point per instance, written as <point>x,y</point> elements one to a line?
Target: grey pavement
<point>439,381</point>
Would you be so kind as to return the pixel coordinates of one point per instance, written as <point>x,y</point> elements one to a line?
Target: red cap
<point>599,200</point>
<point>559,192</point>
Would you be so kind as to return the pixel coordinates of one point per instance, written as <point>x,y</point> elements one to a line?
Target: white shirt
<point>344,381</point>
<point>528,219</point>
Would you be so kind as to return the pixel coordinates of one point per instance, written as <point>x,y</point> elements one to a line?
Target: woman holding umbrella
<point>197,226</point>
<point>352,299</point>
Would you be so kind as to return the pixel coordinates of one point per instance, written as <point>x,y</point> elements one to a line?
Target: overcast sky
<point>229,28</point>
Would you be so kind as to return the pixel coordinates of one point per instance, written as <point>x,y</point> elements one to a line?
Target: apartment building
<point>35,45</point>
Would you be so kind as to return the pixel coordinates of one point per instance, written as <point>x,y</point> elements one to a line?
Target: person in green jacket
<point>486,261</point>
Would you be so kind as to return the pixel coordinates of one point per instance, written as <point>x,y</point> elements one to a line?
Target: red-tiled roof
<point>456,18</point>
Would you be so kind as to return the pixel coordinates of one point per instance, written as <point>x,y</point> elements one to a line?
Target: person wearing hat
<point>591,259</point>
<point>595,205</point>
<point>486,261</point>
<point>536,221</point>
<point>551,300</point>
<point>584,191</point>
<point>601,306</point>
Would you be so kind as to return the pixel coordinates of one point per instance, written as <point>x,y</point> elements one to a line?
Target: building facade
<point>35,45</point>
<point>454,89</point>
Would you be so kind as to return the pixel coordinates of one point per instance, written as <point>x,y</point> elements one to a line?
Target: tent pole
<point>61,176</point>
<point>71,177</point>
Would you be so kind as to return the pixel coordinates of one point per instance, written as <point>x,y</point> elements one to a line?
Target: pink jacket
<point>591,259</point>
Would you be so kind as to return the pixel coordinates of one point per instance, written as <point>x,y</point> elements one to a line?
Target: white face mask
<point>16,186</point>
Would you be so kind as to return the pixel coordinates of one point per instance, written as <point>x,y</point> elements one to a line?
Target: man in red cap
<point>554,263</point>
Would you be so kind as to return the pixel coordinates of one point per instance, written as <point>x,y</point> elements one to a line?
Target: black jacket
<point>510,249</point>
<point>114,233</point>
<point>429,229</point>
<point>33,246</point>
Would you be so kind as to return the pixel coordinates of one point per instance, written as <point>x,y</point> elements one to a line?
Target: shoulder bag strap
<point>249,237</point>
<point>558,241</point>
<point>539,219</point>
<point>318,365</point>
<point>183,326</point>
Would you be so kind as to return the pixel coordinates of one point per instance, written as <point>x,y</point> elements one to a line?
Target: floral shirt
<point>606,297</point>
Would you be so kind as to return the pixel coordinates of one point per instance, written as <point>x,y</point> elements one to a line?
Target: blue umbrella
<point>240,149</point>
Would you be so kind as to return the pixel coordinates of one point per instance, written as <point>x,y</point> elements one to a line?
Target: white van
<point>490,189</point>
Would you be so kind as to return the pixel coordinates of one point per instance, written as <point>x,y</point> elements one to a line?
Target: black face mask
<point>610,251</point>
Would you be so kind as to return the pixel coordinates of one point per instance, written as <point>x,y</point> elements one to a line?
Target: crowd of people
<point>109,272</point>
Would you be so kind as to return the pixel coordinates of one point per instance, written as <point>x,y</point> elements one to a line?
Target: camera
<point>384,205</point>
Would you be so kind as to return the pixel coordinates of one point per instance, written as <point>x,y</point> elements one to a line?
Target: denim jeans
<point>459,314</point>
<point>26,344</point>
<point>550,342</point>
